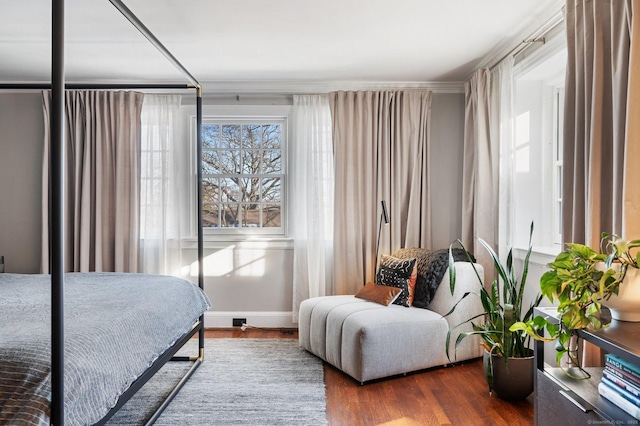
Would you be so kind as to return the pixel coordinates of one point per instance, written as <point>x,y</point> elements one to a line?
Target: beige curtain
<point>381,153</point>
<point>102,181</point>
<point>601,134</point>
<point>480,167</point>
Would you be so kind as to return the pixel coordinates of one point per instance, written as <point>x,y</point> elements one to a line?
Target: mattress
<point>115,325</point>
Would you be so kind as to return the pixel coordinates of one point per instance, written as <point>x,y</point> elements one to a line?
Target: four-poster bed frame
<point>58,86</point>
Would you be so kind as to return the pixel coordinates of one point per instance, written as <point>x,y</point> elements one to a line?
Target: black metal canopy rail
<point>56,242</point>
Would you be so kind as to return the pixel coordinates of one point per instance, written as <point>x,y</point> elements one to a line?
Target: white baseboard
<point>224,319</point>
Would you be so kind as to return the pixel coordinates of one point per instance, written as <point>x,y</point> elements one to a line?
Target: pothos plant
<point>579,279</point>
<point>502,307</point>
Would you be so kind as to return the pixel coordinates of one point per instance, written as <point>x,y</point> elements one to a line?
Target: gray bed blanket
<point>116,325</point>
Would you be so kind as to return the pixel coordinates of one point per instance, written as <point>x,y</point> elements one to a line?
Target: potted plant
<point>502,304</point>
<point>624,256</point>
<point>580,281</point>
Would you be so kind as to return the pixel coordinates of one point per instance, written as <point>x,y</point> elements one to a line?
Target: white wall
<point>246,279</point>
<point>249,279</point>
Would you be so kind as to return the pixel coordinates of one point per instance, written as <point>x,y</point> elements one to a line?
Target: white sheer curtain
<point>312,179</point>
<point>502,128</point>
<point>164,192</point>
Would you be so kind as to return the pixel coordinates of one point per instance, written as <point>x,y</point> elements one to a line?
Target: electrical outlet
<point>237,322</point>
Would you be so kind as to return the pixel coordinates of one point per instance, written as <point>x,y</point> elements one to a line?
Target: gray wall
<point>21,136</point>
<point>243,279</point>
<point>445,167</point>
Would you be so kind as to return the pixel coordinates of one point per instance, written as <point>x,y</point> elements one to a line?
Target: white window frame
<point>254,115</point>
<point>545,211</point>
<point>558,131</point>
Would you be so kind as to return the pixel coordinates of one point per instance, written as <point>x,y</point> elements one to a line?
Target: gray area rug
<point>240,382</point>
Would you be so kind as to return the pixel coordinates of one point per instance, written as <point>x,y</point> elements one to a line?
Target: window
<point>537,171</point>
<point>243,175</point>
<point>154,159</point>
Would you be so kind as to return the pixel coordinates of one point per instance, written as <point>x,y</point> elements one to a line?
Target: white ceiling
<point>258,41</point>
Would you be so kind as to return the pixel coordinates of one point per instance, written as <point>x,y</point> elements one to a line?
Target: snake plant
<point>502,308</point>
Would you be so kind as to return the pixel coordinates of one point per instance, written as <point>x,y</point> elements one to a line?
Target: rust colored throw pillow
<point>382,294</point>
<point>412,284</point>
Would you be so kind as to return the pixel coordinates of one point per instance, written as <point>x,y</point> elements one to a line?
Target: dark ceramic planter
<point>514,381</point>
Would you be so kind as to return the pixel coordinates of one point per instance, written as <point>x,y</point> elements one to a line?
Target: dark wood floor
<point>455,395</point>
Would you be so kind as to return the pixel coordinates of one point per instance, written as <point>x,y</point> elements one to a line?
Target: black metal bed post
<point>127,13</point>
<point>199,194</point>
<point>137,23</point>
<point>56,243</point>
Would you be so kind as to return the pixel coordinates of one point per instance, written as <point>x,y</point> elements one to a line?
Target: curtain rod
<point>153,39</point>
<point>45,86</point>
<point>538,36</point>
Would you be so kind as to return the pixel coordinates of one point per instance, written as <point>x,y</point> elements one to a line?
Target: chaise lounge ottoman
<point>369,341</point>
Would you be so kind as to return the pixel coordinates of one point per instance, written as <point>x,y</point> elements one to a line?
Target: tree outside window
<point>243,175</point>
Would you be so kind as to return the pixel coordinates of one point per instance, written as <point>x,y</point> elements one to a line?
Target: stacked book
<point>620,384</point>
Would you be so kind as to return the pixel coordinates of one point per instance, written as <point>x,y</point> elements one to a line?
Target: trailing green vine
<point>579,279</point>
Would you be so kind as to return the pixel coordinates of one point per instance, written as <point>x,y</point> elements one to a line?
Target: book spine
<point>623,374</point>
<point>621,380</point>
<point>609,393</point>
<point>622,391</point>
<point>623,365</point>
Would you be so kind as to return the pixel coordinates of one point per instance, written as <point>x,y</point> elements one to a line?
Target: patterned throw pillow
<point>396,273</point>
<point>431,265</point>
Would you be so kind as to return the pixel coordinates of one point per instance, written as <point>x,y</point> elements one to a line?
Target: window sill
<point>239,241</point>
<point>541,256</point>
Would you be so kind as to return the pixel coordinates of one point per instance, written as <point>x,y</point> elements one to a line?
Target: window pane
<point>210,162</point>
<point>210,190</point>
<point>251,161</point>
<point>251,189</point>
<point>251,215</point>
<point>271,190</point>
<point>210,135</point>
<point>271,136</point>
<point>559,179</point>
<point>152,163</point>
<point>272,162</point>
<point>559,217</point>
<point>251,136</point>
<point>230,136</point>
<point>230,216</point>
<point>229,162</point>
<point>271,217</point>
<point>210,216</point>
<point>230,190</point>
